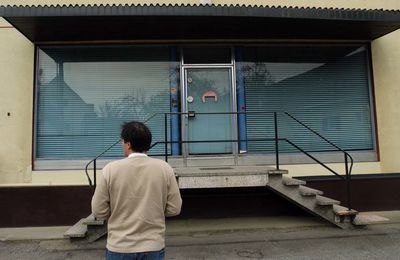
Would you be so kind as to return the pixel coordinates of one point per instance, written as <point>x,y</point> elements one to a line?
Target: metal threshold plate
<point>216,168</point>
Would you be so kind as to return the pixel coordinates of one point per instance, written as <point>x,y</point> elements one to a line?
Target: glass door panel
<point>209,91</point>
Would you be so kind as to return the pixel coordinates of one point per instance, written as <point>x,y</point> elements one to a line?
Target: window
<point>326,87</point>
<point>84,94</point>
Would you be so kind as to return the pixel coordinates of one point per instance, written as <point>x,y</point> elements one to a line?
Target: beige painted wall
<point>16,77</point>
<point>386,69</point>
<point>78,177</point>
<point>368,4</point>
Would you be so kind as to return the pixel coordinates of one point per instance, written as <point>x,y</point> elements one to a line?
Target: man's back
<point>141,191</point>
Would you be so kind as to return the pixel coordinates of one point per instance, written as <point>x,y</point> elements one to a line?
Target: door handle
<point>210,94</point>
<point>191,114</point>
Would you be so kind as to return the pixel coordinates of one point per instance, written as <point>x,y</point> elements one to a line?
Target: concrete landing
<point>222,176</point>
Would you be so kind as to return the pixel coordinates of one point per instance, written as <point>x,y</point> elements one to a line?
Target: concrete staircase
<point>89,229</point>
<point>312,201</point>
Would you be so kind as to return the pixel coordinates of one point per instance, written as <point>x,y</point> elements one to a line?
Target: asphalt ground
<point>234,238</point>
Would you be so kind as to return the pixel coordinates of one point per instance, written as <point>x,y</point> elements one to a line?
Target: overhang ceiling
<point>87,23</point>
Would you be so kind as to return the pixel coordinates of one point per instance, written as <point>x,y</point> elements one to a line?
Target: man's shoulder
<point>159,162</point>
<point>115,163</point>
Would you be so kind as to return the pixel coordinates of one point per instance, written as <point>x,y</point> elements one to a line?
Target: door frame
<point>184,106</point>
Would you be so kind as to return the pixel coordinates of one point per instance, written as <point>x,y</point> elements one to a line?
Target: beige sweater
<point>135,195</point>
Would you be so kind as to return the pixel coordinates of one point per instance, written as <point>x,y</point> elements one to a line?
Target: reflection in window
<point>84,94</point>
<point>325,87</point>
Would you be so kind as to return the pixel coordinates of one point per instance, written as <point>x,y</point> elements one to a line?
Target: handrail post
<point>165,137</point>
<point>276,141</point>
<point>94,173</point>
<point>347,182</point>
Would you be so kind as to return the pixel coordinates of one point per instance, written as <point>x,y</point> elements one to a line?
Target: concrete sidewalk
<point>204,227</point>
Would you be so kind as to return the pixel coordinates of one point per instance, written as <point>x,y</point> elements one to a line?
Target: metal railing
<point>102,153</point>
<point>348,160</point>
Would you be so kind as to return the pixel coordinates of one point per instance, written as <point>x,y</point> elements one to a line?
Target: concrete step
<point>96,232</point>
<point>325,201</point>
<point>343,214</point>
<point>76,231</point>
<point>92,221</point>
<point>306,191</point>
<point>277,172</point>
<point>292,182</point>
<point>363,219</point>
<point>206,161</point>
<point>343,211</point>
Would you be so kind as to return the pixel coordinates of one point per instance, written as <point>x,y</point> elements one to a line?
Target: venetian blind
<point>84,94</point>
<point>325,87</point>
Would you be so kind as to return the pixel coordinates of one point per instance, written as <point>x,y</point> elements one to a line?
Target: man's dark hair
<point>138,135</point>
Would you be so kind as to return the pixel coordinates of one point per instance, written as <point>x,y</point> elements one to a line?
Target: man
<point>135,195</point>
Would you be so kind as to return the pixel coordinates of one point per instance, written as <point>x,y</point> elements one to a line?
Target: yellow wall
<point>16,77</point>
<point>386,70</point>
<point>369,4</point>
<point>62,177</point>
<point>78,177</point>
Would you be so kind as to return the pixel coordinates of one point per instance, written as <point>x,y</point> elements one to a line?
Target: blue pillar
<point>174,90</point>
<point>241,99</point>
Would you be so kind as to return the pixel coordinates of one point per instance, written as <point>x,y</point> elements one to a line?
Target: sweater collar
<point>132,155</point>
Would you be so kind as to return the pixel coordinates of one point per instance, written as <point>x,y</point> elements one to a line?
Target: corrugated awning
<point>185,22</point>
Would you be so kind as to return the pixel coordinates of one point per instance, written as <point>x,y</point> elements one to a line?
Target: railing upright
<point>165,137</point>
<point>347,182</point>
<point>276,141</point>
<point>94,173</point>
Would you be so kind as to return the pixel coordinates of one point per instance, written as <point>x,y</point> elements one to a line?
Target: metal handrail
<point>106,150</point>
<point>151,117</point>
<point>346,156</point>
<point>276,138</point>
<point>316,133</point>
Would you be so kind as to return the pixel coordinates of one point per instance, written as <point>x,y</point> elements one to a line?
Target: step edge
<point>307,191</point>
<point>325,201</point>
<point>68,233</point>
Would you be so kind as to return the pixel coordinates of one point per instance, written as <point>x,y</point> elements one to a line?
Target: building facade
<point>213,71</point>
